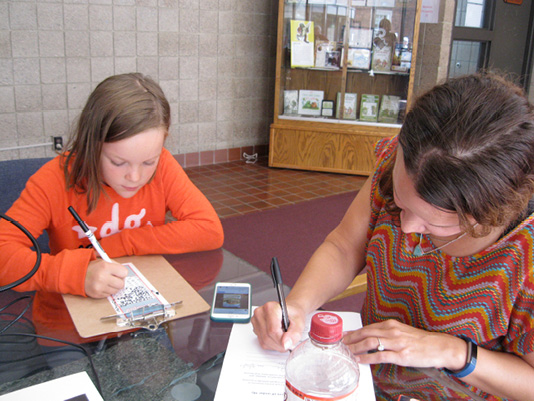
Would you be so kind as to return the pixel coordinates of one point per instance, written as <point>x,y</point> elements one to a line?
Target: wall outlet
<point>57,143</point>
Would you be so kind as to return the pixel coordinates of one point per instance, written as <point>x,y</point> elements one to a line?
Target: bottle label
<point>292,394</point>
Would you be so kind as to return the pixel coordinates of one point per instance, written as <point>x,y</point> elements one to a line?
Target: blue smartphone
<point>231,302</point>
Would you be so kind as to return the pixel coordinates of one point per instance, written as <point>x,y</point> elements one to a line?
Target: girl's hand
<point>104,279</point>
<point>267,323</point>
<point>406,346</point>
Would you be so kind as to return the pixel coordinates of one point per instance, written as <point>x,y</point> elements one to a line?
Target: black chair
<point>13,177</point>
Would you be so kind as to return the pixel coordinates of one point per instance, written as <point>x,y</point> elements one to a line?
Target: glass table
<point>179,361</point>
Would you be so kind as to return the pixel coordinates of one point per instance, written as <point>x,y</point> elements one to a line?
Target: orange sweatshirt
<point>134,226</point>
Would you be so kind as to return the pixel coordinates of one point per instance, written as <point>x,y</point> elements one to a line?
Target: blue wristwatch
<point>471,360</point>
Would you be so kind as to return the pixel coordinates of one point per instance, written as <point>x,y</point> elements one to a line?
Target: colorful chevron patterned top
<point>487,297</point>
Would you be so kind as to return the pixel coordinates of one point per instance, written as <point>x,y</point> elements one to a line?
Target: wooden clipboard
<point>86,312</point>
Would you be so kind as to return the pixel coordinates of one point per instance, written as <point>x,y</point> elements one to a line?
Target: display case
<point>344,78</point>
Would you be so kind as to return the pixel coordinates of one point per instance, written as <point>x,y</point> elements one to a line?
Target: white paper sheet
<point>250,373</point>
<point>60,389</point>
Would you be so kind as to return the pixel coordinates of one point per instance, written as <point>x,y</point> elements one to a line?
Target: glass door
<point>493,35</point>
<point>471,37</point>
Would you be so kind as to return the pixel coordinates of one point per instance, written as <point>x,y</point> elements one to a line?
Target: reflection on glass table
<point>181,360</point>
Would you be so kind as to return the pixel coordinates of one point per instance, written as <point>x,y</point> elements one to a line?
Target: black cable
<point>22,280</point>
<point>20,321</point>
<point>85,351</point>
<point>7,326</point>
<point>15,301</point>
<point>37,251</point>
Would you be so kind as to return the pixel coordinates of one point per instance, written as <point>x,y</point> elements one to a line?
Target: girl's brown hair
<point>121,106</point>
<point>468,146</point>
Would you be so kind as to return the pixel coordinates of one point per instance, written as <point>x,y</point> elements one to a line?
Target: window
<point>471,37</point>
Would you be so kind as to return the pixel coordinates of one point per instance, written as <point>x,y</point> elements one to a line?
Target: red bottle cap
<point>326,327</point>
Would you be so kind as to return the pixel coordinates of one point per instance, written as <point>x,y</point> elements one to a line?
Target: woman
<point>445,229</point>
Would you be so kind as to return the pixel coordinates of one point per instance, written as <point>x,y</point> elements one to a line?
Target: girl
<point>120,179</point>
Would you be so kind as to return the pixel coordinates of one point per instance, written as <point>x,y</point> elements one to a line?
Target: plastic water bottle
<point>322,367</point>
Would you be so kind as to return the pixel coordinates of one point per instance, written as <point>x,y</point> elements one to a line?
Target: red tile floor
<point>238,187</point>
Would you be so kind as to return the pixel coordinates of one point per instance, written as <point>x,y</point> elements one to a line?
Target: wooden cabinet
<point>331,55</point>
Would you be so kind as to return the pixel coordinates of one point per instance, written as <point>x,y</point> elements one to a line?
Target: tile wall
<point>215,60</point>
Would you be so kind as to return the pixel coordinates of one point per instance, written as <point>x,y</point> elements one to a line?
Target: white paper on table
<point>60,389</point>
<point>250,373</point>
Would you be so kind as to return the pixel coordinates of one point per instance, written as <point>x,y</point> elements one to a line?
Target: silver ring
<point>380,346</point>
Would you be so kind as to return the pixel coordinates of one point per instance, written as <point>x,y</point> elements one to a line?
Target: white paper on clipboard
<point>138,293</point>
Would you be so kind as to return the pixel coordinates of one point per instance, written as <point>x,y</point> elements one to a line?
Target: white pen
<point>90,235</point>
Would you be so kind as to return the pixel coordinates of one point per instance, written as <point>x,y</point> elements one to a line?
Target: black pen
<point>90,235</point>
<point>279,285</point>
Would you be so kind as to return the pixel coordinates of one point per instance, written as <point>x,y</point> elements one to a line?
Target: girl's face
<point>418,216</point>
<point>128,164</point>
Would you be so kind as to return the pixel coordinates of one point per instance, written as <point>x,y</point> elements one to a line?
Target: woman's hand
<point>406,346</point>
<point>267,323</point>
<point>104,279</point>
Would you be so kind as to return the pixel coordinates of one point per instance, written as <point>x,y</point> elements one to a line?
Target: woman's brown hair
<point>468,146</point>
<point>121,106</point>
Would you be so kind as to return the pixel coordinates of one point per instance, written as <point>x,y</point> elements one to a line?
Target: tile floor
<point>238,187</point>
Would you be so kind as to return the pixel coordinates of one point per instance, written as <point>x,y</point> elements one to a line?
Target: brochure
<point>369,108</point>
<point>389,109</point>
<point>310,102</point>
<point>302,44</point>
<point>326,55</point>
<point>382,58</point>
<point>291,102</point>
<point>349,106</point>
<point>359,37</point>
<point>359,58</point>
